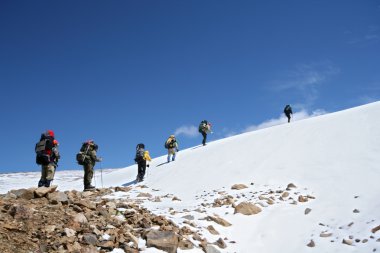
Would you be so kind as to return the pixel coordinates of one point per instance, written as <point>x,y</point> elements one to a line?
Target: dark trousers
<point>88,174</point>
<point>204,134</point>
<point>141,167</point>
<point>288,116</point>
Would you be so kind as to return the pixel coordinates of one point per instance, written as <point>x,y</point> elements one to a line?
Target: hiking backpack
<point>82,157</point>
<point>169,143</point>
<point>202,126</point>
<point>287,109</point>
<point>43,150</point>
<point>140,148</point>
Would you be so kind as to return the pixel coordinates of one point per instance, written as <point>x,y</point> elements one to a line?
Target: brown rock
<point>290,186</point>
<point>324,234</point>
<point>58,197</point>
<point>20,212</point>
<point>85,203</point>
<point>302,198</point>
<point>144,195</point>
<point>375,229</point>
<point>220,243</point>
<point>285,195</point>
<point>185,244</point>
<point>27,194</point>
<point>247,208</point>
<point>238,187</point>
<point>212,230</point>
<point>43,191</point>
<point>219,221</point>
<point>163,240</point>
<point>80,218</point>
<point>109,245</point>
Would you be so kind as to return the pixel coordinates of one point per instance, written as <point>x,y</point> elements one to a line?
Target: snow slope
<point>334,158</point>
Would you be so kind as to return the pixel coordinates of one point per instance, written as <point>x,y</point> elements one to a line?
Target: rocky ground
<point>45,220</point>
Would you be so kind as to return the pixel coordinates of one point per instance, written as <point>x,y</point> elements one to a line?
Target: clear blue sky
<point>124,72</point>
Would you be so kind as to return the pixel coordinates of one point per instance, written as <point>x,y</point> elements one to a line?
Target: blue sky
<point>124,72</point>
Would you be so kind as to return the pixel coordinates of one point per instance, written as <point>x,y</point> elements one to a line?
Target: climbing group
<point>47,154</point>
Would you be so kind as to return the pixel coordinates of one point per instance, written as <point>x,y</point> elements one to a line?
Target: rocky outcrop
<point>45,220</point>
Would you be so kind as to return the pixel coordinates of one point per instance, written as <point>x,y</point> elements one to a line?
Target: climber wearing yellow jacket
<point>142,156</point>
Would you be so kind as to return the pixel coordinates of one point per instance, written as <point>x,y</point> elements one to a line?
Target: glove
<point>99,159</point>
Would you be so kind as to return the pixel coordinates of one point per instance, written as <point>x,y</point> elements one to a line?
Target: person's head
<point>49,133</point>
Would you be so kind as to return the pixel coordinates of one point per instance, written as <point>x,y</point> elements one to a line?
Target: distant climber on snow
<point>288,112</point>
<point>141,158</point>
<point>204,128</point>
<point>47,155</point>
<point>171,145</point>
<point>87,157</point>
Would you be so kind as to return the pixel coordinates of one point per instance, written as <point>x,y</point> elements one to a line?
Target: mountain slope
<point>334,158</point>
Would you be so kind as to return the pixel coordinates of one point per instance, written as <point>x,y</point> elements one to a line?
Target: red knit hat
<point>50,133</point>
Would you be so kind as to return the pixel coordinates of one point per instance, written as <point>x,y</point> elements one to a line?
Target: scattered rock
<point>219,221</point>
<point>90,239</point>
<point>311,244</point>
<point>247,208</point>
<point>375,229</point>
<point>356,211</point>
<point>347,241</point>
<point>220,243</point>
<point>285,194</point>
<point>325,234</point>
<point>80,218</point>
<point>307,211</point>
<point>144,195</point>
<point>210,249</point>
<point>175,199</point>
<point>69,232</point>
<point>302,198</point>
<point>290,186</point>
<point>188,217</point>
<point>212,230</point>
<point>239,186</point>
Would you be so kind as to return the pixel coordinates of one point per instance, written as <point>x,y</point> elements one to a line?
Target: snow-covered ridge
<point>334,158</point>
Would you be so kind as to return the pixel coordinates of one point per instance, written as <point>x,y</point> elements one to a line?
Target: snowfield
<point>333,160</point>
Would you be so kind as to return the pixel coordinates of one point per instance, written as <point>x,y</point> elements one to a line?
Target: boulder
<point>163,240</point>
<point>43,191</point>
<point>247,208</point>
<point>58,197</point>
<point>27,194</point>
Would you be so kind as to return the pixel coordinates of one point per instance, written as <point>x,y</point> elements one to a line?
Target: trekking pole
<point>94,177</point>
<point>101,174</point>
